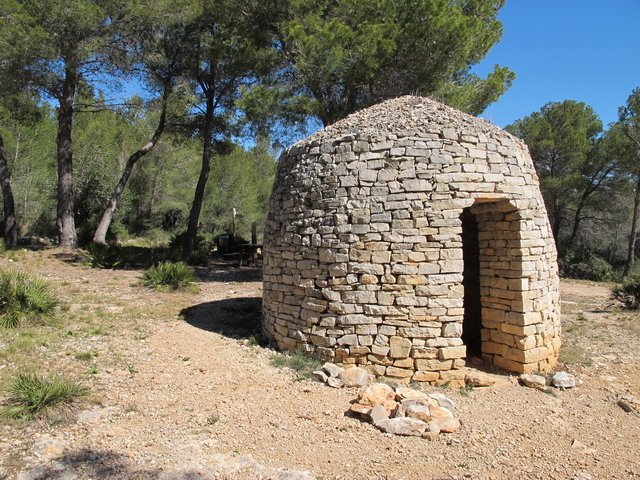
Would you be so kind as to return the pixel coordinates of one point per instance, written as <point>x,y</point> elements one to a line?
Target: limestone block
<point>356,319</point>
<point>366,329</point>
<point>338,269</point>
<point>380,349</point>
<point>425,376</point>
<point>412,279</point>
<point>510,365</point>
<point>315,304</point>
<point>448,353</point>
<point>365,340</point>
<point>503,338</point>
<point>407,269</point>
<point>396,372</point>
<point>377,370</point>
<point>348,340</point>
<point>359,296</point>
<point>388,330</point>
<point>528,342</point>
<point>518,330</point>
<point>432,364</point>
<point>399,347</point>
<point>523,319</point>
<point>429,268</point>
<point>367,268</point>
<point>419,332</point>
<point>424,352</point>
<point>345,308</point>
<point>404,363</point>
<point>379,359</point>
<point>359,350</point>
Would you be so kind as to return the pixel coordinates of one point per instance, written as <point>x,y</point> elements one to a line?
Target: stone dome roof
<point>407,115</point>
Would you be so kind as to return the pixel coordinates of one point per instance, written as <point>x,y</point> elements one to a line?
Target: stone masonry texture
<point>404,235</point>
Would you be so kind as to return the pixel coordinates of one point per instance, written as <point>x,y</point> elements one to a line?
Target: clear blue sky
<point>582,50</point>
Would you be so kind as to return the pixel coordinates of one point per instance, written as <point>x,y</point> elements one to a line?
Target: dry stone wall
<point>365,256</point>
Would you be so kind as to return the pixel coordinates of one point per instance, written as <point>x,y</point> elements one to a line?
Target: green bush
<point>198,258</point>
<point>105,256</point>
<point>583,264</point>
<point>36,396</point>
<point>22,297</point>
<point>628,292</point>
<point>170,276</point>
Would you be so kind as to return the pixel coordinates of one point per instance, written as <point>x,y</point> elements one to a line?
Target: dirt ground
<point>179,390</point>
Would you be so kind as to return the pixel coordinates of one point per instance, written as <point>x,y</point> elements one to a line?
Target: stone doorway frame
<point>514,333</point>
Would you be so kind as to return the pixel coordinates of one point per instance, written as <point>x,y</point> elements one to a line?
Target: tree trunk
<point>66,222</point>
<point>631,255</point>
<point>194,216</point>
<point>10,228</point>
<point>555,218</point>
<point>101,232</point>
<point>576,224</point>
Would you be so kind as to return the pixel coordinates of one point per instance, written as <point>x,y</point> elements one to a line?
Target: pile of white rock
<point>403,411</point>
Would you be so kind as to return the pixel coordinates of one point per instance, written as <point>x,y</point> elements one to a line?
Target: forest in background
<point>590,181</point>
<point>217,75</point>
<point>221,85</point>
<point>156,203</point>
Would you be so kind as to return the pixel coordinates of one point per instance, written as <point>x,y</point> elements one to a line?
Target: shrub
<point>177,240</point>
<point>36,396</point>
<point>22,297</point>
<point>628,292</point>
<point>170,276</point>
<point>105,256</point>
<point>199,258</point>
<point>585,265</point>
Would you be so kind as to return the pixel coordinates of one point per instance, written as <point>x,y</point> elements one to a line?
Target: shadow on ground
<point>233,317</point>
<point>139,258</point>
<point>92,464</point>
<point>226,272</point>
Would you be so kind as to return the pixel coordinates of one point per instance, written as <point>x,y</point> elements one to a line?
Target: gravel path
<point>187,400</point>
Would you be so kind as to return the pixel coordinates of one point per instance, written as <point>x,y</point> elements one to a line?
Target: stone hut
<point>407,238</point>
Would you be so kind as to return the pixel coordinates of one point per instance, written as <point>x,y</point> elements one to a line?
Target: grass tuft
<point>39,396</point>
<point>170,276</point>
<point>23,296</point>
<point>304,366</point>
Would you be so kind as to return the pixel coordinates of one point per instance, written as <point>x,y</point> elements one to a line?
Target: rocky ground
<point>179,390</point>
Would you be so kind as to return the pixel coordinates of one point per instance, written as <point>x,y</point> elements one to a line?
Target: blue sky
<point>583,50</point>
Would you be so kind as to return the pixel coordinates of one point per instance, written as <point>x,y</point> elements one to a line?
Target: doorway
<point>472,322</point>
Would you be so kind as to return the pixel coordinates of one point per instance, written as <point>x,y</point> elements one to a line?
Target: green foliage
<point>23,296</point>
<point>106,256</point>
<point>473,94</point>
<point>36,396</point>
<point>241,180</point>
<point>581,263</point>
<point>170,276</point>
<point>339,57</point>
<point>93,370</point>
<point>198,258</point>
<point>564,141</point>
<point>303,365</point>
<point>628,292</point>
